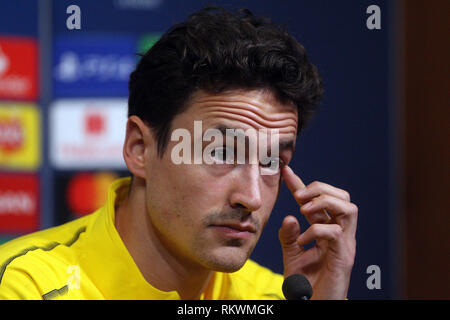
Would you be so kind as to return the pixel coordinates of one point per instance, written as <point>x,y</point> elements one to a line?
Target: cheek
<point>186,188</point>
<point>269,196</point>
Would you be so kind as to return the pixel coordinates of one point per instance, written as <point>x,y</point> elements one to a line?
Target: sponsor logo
<point>93,65</point>
<point>86,192</point>
<point>18,203</point>
<point>94,124</point>
<point>79,193</point>
<point>11,134</point>
<point>88,133</point>
<point>18,68</point>
<point>19,136</point>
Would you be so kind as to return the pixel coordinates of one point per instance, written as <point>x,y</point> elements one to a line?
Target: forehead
<point>257,109</point>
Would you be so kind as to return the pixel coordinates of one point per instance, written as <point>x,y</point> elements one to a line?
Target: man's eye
<point>271,166</point>
<point>222,155</point>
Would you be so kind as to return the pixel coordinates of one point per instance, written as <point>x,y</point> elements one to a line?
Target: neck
<point>160,266</point>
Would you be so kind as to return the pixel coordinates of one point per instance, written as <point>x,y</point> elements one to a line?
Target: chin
<point>229,259</point>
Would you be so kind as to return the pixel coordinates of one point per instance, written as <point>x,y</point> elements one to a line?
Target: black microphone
<point>297,287</point>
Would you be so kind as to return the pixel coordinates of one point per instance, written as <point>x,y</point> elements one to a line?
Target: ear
<point>138,143</point>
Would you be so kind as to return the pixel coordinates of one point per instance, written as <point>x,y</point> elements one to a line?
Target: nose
<point>246,193</point>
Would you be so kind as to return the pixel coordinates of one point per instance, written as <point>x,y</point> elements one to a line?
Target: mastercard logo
<point>87,192</point>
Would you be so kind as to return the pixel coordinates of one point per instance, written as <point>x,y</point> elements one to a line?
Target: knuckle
<point>315,228</point>
<point>314,184</point>
<point>354,209</point>
<point>337,231</point>
<point>325,198</point>
<point>298,193</point>
<point>346,195</point>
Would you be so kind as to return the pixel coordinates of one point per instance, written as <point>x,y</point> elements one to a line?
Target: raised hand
<point>333,220</point>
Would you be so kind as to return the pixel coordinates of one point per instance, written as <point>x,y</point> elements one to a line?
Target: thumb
<point>288,233</point>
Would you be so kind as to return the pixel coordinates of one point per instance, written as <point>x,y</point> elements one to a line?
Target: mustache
<point>236,216</point>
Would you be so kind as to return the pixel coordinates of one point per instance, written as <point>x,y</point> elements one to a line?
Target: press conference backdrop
<point>63,100</point>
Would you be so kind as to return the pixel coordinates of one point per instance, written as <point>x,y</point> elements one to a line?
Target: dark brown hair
<point>216,50</point>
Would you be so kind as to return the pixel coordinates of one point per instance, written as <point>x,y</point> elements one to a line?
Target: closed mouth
<point>238,227</point>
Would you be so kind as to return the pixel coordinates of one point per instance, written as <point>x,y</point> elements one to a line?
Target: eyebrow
<point>284,144</point>
<point>287,145</point>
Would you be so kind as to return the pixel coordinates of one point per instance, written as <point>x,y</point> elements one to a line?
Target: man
<point>186,230</point>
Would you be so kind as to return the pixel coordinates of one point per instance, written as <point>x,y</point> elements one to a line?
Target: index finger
<point>293,181</point>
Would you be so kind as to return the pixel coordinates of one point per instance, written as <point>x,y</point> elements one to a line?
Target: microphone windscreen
<point>297,287</point>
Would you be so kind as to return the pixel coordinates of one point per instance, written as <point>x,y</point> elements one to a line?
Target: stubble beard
<point>227,256</point>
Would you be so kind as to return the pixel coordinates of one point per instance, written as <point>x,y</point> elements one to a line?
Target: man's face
<point>212,215</point>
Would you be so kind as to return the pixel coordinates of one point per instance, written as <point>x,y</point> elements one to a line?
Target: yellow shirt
<point>86,259</point>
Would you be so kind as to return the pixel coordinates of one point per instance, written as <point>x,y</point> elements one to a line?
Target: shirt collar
<point>105,255</point>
